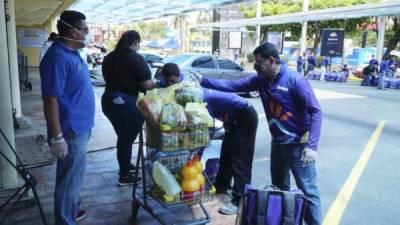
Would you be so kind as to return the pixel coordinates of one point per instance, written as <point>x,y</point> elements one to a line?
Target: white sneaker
<point>228,209</point>
<point>223,198</point>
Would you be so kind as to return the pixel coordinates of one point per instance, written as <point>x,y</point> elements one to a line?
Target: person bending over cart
<point>240,123</point>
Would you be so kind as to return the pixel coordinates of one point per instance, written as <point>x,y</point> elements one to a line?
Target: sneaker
<point>128,180</point>
<point>223,198</point>
<point>228,208</point>
<point>81,214</point>
<point>132,168</point>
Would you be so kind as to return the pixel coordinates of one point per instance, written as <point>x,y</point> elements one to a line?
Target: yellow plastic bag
<point>150,105</point>
<point>173,117</point>
<point>197,114</point>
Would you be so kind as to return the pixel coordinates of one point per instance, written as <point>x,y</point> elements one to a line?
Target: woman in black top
<point>126,74</point>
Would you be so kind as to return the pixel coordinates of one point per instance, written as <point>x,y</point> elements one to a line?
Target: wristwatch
<point>57,138</point>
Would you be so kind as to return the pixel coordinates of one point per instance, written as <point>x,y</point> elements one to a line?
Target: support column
<point>381,37</point>
<point>303,40</point>
<point>8,176</point>
<point>258,27</point>
<point>215,36</point>
<point>13,58</point>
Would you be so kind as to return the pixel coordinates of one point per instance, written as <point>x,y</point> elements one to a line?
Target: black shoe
<point>132,168</point>
<point>128,180</point>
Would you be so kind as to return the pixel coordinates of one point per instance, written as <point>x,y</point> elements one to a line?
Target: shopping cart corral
<point>148,191</point>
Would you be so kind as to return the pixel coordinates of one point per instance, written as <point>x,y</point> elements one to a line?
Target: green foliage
<point>277,7</point>
<point>150,30</point>
<point>250,57</point>
<point>319,60</point>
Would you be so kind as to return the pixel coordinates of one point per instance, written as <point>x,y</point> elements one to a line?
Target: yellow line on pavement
<point>335,213</point>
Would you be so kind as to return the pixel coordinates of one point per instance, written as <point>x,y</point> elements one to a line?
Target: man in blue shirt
<point>383,70</point>
<point>69,106</point>
<point>299,63</point>
<point>373,61</point>
<point>294,118</point>
<point>240,122</point>
<point>312,62</point>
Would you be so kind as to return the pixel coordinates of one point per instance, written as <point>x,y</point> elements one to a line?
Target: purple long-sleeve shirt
<point>292,110</point>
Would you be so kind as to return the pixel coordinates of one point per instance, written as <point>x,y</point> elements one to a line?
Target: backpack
<point>271,206</point>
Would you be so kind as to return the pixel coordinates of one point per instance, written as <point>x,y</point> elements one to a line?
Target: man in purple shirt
<point>294,118</point>
<point>240,123</point>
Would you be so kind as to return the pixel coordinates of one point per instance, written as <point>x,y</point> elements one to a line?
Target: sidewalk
<point>105,203</point>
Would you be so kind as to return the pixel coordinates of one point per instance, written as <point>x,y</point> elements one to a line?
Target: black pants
<point>237,153</point>
<point>127,122</point>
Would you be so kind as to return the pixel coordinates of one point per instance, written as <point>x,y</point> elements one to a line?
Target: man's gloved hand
<point>58,147</point>
<point>197,75</point>
<point>308,156</point>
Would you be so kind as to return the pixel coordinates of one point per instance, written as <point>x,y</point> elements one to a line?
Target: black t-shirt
<point>125,71</point>
<point>369,70</point>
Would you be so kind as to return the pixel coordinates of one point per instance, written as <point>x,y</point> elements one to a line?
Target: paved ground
<point>348,124</point>
<point>351,115</point>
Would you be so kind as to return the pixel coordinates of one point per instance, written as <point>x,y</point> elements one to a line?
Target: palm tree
<point>180,23</point>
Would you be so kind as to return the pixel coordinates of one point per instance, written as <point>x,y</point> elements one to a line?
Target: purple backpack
<point>271,206</point>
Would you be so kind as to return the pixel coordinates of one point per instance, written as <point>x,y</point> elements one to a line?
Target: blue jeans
<point>120,108</point>
<point>286,158</point>
<point>69,179</point>
<point>381,80</point>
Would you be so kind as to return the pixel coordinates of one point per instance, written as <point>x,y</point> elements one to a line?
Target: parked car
<point>96,70</point>
<point>210,66</point>
<point>151,59</point>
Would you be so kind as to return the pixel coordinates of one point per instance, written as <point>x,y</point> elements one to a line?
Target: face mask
<point>259,71</point>
<point>87,38</point>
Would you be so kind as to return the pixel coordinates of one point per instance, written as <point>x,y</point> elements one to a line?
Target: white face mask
<point>87,38</point>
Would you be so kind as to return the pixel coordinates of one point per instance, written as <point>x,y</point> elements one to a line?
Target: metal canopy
<point>357,11</point>
<point>126,11</point>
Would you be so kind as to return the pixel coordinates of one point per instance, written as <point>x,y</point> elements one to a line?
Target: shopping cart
<point>148,191</point>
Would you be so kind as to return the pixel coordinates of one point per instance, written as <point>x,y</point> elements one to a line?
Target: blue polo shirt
<point>64,75</point>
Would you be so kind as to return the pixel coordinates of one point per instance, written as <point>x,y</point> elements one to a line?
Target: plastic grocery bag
<point>189,90</point>
<point>197,114</point>
<point>173,117</point>
<point>150,105</point>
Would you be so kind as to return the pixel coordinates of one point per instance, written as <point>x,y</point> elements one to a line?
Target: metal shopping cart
<point>173,158</point>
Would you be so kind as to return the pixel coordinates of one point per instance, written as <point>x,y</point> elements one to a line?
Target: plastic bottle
<point>163,178</point>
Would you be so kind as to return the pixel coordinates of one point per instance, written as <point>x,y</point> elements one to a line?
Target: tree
<point>393,35</point>
<point>149,30</point>
<point>277,7</point>
<point>181,24</point>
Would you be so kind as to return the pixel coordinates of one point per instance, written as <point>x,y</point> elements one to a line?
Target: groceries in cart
<point>192,182</point>
<point>173,117</point>
<point>150,106</point>
<point>164,178</point>
<point>177,117</point>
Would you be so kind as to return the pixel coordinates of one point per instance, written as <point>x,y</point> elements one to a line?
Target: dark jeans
<point>237,153</point>
<point>285,158</point>
<point>367,80</point>
<point>120,109</point>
